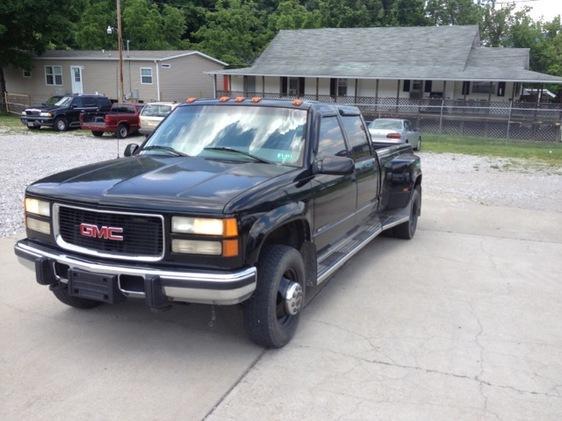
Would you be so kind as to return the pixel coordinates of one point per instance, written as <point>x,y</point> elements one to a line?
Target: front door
<point>335,196</point>
<point>76,78</point>
<point>416,89</point>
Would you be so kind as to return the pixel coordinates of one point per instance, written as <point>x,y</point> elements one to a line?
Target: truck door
<point>335,195</point>
<point>366,166</point>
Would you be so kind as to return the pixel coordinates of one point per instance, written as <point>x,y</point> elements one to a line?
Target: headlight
<point>197,247</point>
<point>205,226</point>
<point>37,225</point>
<point>45,114</point>
<point>23,113</point>
<point>38,207</point>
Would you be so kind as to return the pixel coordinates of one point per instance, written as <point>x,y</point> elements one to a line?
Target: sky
<point>547,9</point>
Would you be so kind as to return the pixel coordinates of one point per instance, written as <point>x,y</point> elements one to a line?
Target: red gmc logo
<point>107,233</point>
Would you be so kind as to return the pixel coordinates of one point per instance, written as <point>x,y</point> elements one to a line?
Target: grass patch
<point>10,121</point>
<point>550,153</point>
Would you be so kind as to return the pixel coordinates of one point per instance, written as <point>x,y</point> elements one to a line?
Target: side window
<point>89,102</point>
<point>330,139</point>
<point>407,125</point>
<point>357,136</point>
<point>78,101</point>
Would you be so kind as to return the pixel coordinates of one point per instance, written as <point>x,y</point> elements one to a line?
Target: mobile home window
<point>406,86</point>
<point>501,89</point>
<point>428,85</point>
<point>146,75</point>
<point>27,74</point>
<point>338,86</point>
<point>53,75</point>
<point>483,87</point>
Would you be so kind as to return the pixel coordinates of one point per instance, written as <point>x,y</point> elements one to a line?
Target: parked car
<point>153,113</point>
<point>395,130</point>
<point>247,201</point>
<point>65,113</point>
<point>121,119</point>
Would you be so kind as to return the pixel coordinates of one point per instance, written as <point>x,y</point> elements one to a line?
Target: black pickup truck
<point>229,201</point>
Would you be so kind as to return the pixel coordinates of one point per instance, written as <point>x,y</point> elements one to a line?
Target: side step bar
<point>347,248</point>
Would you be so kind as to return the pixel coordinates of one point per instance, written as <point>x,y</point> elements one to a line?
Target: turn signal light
<point>230,227</point>
<point>393,135</point>
<point>230,248</point>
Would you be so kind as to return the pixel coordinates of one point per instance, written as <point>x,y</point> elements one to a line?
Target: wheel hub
<point>293,298</point>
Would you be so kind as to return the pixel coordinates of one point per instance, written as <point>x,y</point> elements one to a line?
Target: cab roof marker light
<point>239,99</point>
<point>191,99</point>
<point>224,98</point>
<point>256,99</point>
<point>297,102</point>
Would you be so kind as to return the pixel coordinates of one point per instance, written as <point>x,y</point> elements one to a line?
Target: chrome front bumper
<point>222,288</point>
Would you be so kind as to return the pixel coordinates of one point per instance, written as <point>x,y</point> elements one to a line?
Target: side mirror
<point>335,165</point>
<point>131,149</point>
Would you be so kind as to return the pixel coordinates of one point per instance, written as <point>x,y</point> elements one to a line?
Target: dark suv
<point>65,113</point>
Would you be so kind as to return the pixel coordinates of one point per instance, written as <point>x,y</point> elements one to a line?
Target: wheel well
<point>292,234</point>
<point>418,181</point>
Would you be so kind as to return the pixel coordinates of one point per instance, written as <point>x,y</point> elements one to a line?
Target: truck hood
<point>158,183</point>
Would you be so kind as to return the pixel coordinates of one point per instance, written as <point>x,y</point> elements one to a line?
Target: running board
<point>349,247</point>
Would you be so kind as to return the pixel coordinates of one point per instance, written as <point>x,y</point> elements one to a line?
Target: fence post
<point>441,117</point>
<point>509,120</point>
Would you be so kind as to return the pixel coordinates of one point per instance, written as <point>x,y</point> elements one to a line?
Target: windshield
<point>247,133</point>
<point>53,100</point>
<point>64,101</point>
<point>156,110</point>
<point>386,124</point>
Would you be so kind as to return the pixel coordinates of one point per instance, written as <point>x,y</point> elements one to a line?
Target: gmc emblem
<point>107,233</point>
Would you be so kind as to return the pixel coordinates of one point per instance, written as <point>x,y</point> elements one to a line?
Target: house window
<point>465,88</point>
<point>338,87</point>
<point>428,86</point>
<point>53,75</point>
<point>406,86</point>
<point>483,87</point>
<point>146,75</point>
<point>249,85</point>
<point>166,66</point>
<point>292,86</point>
<point>27,74</point>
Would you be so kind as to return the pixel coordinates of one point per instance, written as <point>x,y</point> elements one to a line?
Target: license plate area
<point>93,286</point>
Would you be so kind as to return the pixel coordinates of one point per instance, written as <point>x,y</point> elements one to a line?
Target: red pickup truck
<point>122,120</point>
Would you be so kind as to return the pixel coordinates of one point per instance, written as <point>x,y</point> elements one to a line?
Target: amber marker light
<point>191,99</point>
<point>230,248</point>
<point>224,98</point>
<point>297,102</point>
<point>239,99</point>
<point>230,227</point>
<point>256,99</point>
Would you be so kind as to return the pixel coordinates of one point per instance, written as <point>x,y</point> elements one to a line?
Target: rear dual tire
<point>407,230</point>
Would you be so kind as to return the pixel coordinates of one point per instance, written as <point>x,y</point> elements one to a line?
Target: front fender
<point>268,222</point>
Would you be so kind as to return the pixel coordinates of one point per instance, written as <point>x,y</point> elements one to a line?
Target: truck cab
<point>230,201</point>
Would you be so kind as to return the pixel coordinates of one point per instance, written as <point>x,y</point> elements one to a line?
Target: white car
<point>153,113</point>
<point>395,130</point>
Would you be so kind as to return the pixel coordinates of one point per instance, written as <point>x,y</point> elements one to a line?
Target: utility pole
<point>121,93</point>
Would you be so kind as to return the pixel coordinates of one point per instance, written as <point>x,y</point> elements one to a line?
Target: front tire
<point>61,124</point>
<point>61,292</point>
<point>122,131</point>
<point>418,146</point>
<point>271,316</point>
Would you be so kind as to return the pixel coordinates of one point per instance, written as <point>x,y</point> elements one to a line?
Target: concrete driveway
<point>463,322</point>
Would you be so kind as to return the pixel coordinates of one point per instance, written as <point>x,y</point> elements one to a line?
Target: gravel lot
<point>452,177</point>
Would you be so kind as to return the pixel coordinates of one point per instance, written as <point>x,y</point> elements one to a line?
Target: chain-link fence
<point>510,120</point>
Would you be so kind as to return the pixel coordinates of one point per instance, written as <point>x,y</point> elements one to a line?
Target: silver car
<point>395,130</point>
<point>153,113</point>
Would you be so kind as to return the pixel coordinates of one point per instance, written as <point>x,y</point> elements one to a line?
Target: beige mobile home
<point>147,75</point>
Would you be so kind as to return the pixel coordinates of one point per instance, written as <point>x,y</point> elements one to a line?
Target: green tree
<point>25,31</point>
<point>234,32</point>
<point>453,12</point>
<point>91,33</point>
<point>290,14</point>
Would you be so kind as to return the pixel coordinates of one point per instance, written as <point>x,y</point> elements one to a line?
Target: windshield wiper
<point>165,148</point>
<point>225,148</point>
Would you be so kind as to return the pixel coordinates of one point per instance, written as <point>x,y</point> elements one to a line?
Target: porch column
<point>317,89</point>
<point>336,97</point>
<point>513,86</point>
<point>444,89</point>
<point>215,85</point>
<point>397,94</point>
<point>229,84</point>
<point>490,92</point>
<point>356,83</point>
<point>263,86</point>
<point>376,95</point>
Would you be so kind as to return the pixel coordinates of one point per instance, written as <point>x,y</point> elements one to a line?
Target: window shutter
<point>466,88</point>
<point>333,87</point>
<point>428,85</point>
<point>406,86</point>
<point>284,86</point>
<point>501,89</point>
<point>301,86</point>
